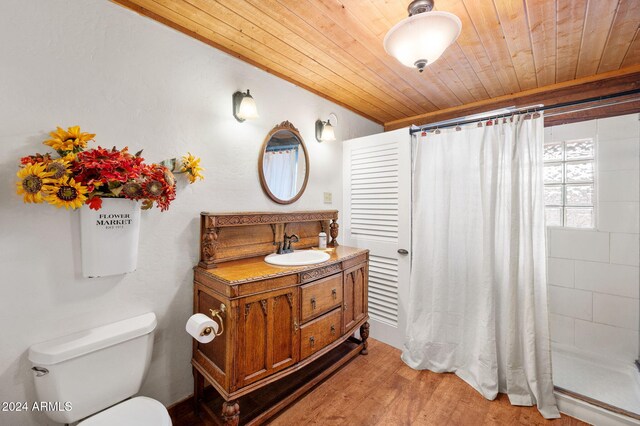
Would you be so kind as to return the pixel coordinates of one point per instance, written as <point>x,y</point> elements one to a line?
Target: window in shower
<point>569,183</point>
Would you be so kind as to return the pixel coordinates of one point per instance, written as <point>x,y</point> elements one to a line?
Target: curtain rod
<point>451,123</point>
<point>587,108</point>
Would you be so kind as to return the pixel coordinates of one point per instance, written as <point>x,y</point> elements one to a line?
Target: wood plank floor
<point>379,389</point>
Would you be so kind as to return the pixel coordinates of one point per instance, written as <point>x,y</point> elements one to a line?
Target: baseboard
<point>181,408</point>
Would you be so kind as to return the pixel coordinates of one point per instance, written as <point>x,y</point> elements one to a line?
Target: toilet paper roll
<point>197,324</point>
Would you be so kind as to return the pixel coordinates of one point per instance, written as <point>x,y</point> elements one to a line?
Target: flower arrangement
<point>80,176</point>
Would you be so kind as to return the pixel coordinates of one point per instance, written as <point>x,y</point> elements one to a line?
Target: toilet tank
<point>93,369</point>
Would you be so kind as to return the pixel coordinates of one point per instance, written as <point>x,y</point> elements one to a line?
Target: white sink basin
<point>298,258</point>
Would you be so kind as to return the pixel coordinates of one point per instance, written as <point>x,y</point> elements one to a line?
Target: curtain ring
<point>458,128</point>
<point>437,131</point>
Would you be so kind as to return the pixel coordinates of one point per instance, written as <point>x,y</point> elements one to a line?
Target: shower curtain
<point>281,172</point>
<point>478,297</point>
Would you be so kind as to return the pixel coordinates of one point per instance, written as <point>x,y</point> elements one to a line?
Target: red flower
<point>156,188</point>
<point>99,166</point>
<point>95,203</point>
<point>34,159</point>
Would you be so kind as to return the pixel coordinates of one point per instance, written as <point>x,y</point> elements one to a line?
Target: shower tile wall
<point>594,285</point>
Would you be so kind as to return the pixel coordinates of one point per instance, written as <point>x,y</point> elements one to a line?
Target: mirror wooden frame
<point>285,125</point>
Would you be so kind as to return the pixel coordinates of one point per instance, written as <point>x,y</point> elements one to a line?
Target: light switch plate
<point>327,198</point>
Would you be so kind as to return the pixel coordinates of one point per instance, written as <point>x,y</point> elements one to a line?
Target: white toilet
<point>96,370</point>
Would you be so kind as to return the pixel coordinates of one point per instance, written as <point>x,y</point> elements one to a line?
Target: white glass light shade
<point>327,132</point>
<point>248,109</point>
<point>422,37</point>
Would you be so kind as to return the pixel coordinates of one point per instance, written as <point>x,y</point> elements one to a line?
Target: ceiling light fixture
<point>244,106</point>
<point>422,38</point>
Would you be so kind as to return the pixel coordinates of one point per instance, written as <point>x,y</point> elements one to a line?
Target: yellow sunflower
<point>68,140</point>
<point>58,168</point>
<point>34,182</point>
<point>191,166</point>
<point>67,193</point>
<point>69,157</point>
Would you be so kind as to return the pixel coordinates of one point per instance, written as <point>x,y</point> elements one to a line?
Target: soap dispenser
<point>322,240</point>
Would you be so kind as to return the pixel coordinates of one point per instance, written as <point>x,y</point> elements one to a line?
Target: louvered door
<point>377,216</point>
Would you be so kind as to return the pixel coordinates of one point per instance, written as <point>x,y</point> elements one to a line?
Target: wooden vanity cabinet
<point>320,296</point>
<point>320,333</point>
<point>355,295</point>
<point>285,328</point>
<point>268,334</point>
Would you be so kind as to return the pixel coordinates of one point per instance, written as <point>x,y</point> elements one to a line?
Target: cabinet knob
<point>333,329</point>
<point>403,251</point>
<point>312,341</point>
<point>334,293</point>
<point>313,303</point>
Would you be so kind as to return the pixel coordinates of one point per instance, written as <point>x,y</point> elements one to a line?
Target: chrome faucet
<point>285,246</point>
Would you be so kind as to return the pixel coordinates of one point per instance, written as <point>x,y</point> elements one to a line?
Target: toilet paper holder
<point>216,313</point>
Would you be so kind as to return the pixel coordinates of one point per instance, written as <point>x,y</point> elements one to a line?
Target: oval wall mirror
<point>283,165</point>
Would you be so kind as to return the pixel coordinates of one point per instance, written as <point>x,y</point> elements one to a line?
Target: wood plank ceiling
<point>334,47</point>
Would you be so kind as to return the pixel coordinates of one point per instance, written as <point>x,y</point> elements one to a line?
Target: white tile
<point>625,249</point>
<point>560,272</point>
<point>561,329</point>
<point>570,303</point>
<point>622,216</point>
<point>619,343</point>
<point>619,185</point>
<point>615,310</point>
<point>618,154</point>
<point>619,280</point>
<point>620,127</point>
<point>579,244</point>
<point>580,130</point>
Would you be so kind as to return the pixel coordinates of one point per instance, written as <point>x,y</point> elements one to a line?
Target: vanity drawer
<point>320,296</point>
<point>319,333</point>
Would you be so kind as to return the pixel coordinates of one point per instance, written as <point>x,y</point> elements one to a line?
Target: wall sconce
<point>324,129</point>
<point>244,106</point>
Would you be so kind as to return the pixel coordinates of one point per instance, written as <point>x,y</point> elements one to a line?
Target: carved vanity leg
<point>231,413</point>
<point>364,335</point>
<point>198,389</point>
<point>333,231</point>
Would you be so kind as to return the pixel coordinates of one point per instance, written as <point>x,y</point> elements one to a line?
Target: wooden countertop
<point>255,268</point>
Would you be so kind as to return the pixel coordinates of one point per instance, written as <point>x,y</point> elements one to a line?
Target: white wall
<point>593,274</point>
<point>137,83</point>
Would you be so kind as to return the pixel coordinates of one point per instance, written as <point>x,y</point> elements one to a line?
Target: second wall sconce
<point>244,106</point>
<point>325,130</point>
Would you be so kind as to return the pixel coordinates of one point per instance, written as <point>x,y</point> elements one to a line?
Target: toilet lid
<point>138,411</point>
